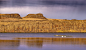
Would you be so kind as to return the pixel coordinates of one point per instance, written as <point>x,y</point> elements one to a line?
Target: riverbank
<point>39,25</point>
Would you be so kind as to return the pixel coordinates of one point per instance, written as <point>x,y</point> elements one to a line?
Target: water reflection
<point>8,44</point>
<point>61,41</point>
<point>35,43</point>
<point>43,43</point>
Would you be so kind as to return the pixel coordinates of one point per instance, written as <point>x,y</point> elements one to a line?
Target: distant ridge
<point>5,16</point>
<point>37,23</point>
<point>39,15</point>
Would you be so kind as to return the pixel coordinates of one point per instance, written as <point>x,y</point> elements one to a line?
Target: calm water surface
<point>42,41</point>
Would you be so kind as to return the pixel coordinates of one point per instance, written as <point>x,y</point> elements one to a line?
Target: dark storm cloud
<point>42,2</point>
<point>64,2</point>
<point>50,2</point>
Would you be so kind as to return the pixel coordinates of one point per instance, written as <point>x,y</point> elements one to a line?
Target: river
<point>42,41</point>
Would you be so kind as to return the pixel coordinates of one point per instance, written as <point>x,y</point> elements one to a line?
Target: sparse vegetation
<point>41,25</point>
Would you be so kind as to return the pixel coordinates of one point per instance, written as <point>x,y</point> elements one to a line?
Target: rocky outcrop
<point>43,26</point>
<point>39,15</point>
<point>5,16</point>
<point>53,25</point>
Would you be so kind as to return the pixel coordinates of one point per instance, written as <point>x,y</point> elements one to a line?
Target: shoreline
<point>37,23</point>
<point>42,32</point>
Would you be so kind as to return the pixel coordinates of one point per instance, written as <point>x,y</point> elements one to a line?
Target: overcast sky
<point>57,9</point>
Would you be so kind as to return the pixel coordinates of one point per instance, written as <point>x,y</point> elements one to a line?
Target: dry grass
<point>31,19</point>
<point>55,19</point>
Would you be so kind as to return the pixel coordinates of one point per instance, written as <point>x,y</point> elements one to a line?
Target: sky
<point>56,9</point>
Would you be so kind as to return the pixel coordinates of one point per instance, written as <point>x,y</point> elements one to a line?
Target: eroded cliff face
<point>26,26</point>
<point>39,15</point>
<point>43,26</point>
<point>5,16</point>
<point>49,25</point>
